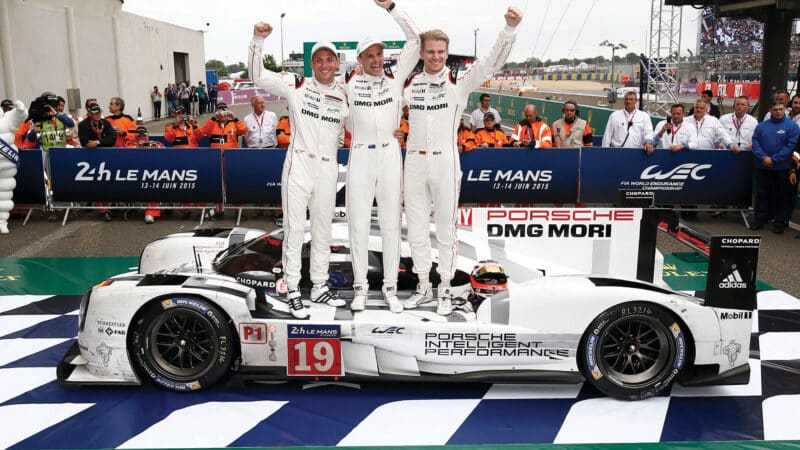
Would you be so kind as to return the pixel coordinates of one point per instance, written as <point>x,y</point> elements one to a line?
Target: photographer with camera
<point>224,128</point>
<point>49,127</point>
<point>183,132</point>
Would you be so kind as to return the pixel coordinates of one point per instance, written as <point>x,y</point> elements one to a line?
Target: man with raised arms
<point>375,169</point>
<point>436,99</point>
<point>317,111</point>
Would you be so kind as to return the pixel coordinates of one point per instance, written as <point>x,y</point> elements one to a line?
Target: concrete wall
<point>55,45</point>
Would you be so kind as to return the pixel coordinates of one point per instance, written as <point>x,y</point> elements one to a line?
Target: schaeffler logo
<point>682,172</point>
<point>733,281</point>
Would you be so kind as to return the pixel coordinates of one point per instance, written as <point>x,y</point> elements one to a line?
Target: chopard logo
<point>682,172</point>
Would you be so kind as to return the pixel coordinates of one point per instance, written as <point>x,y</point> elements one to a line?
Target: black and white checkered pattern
<point>38,412</point>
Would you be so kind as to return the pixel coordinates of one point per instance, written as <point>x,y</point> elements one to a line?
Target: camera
<point>40,109</point>
<point>184,118</point>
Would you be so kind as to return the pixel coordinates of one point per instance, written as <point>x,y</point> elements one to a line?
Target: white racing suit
<point>432,166</point>
<point>375,168</point>
<point>310,171</point>
<point>9,122</point>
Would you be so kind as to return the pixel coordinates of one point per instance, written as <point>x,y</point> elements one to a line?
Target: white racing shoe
<point>296,306</point>
<point>390,296</point>
<point>445,302</point>
<point>422,295</point>
<point>321,294</point>
<point>360,297</point>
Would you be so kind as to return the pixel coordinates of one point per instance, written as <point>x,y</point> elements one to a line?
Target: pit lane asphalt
<point>86,235</point>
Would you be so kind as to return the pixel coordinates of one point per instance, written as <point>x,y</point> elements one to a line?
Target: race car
<point>206,304</point>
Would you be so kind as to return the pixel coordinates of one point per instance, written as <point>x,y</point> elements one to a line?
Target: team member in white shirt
<point>261,125</point>
<point>484,106</point>
<point>673,134</point>
<point>629,127</point>
<point>739,124</point>
<point>710,133</point>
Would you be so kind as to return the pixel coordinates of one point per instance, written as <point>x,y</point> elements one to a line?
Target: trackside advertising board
<point>136,175</point>
<point>30,178</point>
<point>548,239</point>
<point>694,177</point>
<point>253,176</point>
<point>519,175</point>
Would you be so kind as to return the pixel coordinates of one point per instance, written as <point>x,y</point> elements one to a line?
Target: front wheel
<point>633,351</point>
<point>182,343</point>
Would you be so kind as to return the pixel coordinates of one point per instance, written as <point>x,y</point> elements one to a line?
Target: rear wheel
<point>633,351</point>
<point>182,343</point>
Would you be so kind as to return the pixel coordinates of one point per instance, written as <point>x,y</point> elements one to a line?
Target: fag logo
<point>682,172</point>
<point>733,281</point>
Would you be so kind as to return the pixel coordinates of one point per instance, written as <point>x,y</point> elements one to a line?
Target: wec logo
<point>681,172</point>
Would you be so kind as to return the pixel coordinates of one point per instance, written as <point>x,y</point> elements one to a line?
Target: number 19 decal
<point>314,350</point>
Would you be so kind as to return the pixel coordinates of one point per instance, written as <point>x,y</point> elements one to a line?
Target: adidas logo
<point>733,281</point>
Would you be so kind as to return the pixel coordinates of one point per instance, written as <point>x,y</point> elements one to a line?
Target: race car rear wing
<point>732,268</point>
<point>732,263</point>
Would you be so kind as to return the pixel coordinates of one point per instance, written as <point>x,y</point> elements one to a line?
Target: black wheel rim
<point>634,350</point>
<point>182,344</point>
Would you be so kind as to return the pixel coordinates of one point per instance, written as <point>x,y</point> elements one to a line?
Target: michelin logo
<point>682,172</point>
<point>733,281</point>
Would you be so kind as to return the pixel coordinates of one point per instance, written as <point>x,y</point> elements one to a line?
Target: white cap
<point>323,44</point>
<point>368,42</point>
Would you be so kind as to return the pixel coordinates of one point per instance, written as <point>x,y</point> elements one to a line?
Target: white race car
<point>207,304</point>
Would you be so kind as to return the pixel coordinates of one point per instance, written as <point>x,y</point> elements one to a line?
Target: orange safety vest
<point>284,132</point>
<point>493,137</point>
<point>538,133</point>
<point>126,128</point>
<point>224,136</point>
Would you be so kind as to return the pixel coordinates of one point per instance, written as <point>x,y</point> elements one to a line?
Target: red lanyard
<point>738,125</point>
<point>699,124</point>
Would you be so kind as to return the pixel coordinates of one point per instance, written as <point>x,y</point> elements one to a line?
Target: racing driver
<point>436,99</point>
<point>375,167</point>
<point>317,111</point>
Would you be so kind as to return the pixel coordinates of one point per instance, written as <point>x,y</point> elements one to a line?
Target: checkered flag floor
<point>38,412</point>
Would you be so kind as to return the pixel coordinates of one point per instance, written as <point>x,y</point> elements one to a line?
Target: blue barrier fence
<point>514,176</point>
<point>31,185</point>
<point>136,175</point>
<point>696,177</point>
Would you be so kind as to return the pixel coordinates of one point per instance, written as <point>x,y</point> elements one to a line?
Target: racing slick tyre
<point>182,343</point>
<point>632,351</point>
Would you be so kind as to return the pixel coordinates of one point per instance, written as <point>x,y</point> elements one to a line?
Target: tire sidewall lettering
<point>675,337</point>
<point>140,345</point>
